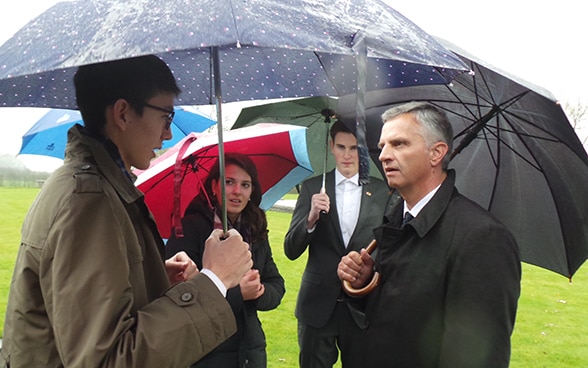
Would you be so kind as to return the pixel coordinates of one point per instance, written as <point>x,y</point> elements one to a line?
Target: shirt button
<point>186,297</point>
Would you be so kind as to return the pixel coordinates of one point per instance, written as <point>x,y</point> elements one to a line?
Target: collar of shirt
<point>339,178</point>
<point>348,199</point>
<point>420,204</point>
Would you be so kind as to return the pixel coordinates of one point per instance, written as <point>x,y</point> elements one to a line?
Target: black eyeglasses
<point>170,114</point>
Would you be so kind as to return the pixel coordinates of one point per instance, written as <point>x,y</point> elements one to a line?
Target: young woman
<point>261,288</point>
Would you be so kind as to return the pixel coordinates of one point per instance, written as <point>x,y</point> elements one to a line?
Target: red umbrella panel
<point>279,152</point>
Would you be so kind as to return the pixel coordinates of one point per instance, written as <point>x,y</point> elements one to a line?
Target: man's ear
<point>121,113</point>
<point>437,152</point>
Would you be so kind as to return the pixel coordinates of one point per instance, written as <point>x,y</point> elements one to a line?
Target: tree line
<point>14,174</point>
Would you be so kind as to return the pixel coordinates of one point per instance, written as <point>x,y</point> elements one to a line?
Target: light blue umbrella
<point>48,136</point>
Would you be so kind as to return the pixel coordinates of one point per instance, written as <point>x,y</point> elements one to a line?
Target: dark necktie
<point>407,218</point>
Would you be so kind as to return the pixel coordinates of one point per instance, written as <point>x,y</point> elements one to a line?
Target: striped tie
<point>407,218</point>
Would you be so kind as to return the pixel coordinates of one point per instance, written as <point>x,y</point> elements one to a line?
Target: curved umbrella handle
<point>358,293</point>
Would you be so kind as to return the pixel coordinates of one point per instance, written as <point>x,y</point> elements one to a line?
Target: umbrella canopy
<point>262,49</point>
<point>516,154</point>
<point>307,112</point>
<point>278,151</point>
<point>48,136</point>
<point>254,49</point>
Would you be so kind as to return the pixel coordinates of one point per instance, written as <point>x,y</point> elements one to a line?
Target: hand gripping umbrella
<point>255,49</point>
<point>516,155</point>
<point>328,114</point>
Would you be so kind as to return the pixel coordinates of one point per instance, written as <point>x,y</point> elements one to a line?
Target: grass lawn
<point>550,330</point>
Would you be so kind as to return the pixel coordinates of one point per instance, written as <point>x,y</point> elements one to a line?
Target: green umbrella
<point>308,112</point>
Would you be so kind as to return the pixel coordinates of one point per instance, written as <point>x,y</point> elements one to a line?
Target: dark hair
<point>339,127</point>
<point>135,80</point>
<point>252,214</point>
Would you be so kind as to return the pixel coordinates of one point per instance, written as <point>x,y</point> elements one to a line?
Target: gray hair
<point>434,123</point>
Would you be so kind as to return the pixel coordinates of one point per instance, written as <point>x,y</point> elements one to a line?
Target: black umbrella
<point>254,49</point>
<point>516,154</point>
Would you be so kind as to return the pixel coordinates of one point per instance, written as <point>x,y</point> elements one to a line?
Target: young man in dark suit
<point>326,319</point>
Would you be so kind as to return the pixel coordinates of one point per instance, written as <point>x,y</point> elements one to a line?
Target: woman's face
<point>238,189</point>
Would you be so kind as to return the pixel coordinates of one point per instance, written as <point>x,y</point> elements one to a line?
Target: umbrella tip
<point>328,114</point>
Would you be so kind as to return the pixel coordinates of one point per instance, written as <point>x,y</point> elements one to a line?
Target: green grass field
<point>550,330</point>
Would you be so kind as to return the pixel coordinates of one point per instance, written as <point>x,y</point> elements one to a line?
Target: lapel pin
<point>369,194</point>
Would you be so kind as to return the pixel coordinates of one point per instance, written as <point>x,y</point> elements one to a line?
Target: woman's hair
<point>252,214</point>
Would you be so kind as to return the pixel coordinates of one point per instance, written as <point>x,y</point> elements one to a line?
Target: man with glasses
<point>169,114</point>
<point>90,286</point>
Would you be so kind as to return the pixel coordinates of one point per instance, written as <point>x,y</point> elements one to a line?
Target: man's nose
<point>167,134</point>
<point>383,155</point>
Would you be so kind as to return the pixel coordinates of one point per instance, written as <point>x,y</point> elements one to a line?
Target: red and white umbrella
<point>279,152</point>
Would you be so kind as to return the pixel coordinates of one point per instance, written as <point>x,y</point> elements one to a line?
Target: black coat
<point>449,290</point>
<point>320,286</point>
<point>248,344</point>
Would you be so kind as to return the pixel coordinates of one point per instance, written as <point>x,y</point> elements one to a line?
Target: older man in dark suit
<point>450,275</point>
<point>326,319</point>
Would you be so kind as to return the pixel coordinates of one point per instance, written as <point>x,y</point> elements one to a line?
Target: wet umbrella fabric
<point>48,136</point>
<point>254,49</point>
<point>263,50</point>
<point>519,157</point>
<point>278,151</point>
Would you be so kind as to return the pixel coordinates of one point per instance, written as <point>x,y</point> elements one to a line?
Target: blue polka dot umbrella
<point>253,49</point>
<point>262,48</point>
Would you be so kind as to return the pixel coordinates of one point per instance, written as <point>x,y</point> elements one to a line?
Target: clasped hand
<point>180,268</point>
<point>357,268</point>
<point>251,286</point>
<point>228,257</point>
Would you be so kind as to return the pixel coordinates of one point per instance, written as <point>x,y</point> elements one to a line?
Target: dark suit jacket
<point>249,341</point>
<point>449,290</point>
<point>320,286</point>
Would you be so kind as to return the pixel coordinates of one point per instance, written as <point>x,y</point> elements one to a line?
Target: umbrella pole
<point>221,145</point>
<point>473,131</point>
<point>360,49</point>
<point>327,113</point>
<point>327,120</point>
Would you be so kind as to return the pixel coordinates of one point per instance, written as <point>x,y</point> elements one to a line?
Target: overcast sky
<point>541,42</point>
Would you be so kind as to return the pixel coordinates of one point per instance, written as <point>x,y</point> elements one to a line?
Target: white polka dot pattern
<point>267,48</point>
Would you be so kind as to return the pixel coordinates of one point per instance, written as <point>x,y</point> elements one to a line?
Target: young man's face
<point>344,149</point>
<point>146,133</point>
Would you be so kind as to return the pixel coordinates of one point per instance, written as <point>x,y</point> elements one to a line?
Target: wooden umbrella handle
<point>358,293</point>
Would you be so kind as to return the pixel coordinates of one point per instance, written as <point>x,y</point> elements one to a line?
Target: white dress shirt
<point>414,211</point>
<point>348,195</point>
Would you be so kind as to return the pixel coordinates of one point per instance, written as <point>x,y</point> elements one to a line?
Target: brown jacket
<point>90,288</point>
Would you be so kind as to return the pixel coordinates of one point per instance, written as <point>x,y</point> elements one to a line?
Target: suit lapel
<point>333,213</point>
<point>364,208</point>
